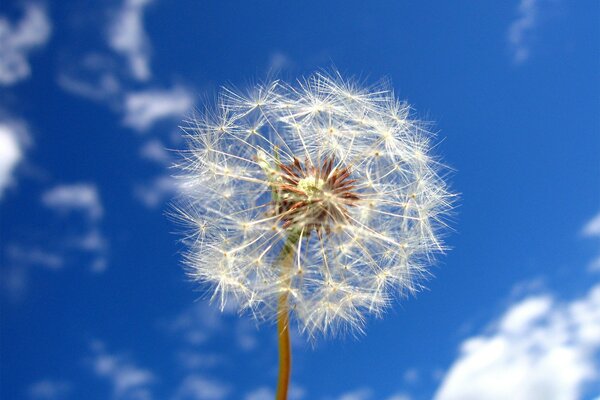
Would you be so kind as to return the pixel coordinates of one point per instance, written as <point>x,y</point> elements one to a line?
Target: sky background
<point>94,302</point>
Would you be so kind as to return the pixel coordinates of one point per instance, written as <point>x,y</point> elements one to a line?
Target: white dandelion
<point>321,198</point>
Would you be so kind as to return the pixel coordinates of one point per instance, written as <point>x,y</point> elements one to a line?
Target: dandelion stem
<point>286,262</point>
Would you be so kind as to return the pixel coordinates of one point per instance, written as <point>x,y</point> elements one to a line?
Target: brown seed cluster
<point>314,197</point>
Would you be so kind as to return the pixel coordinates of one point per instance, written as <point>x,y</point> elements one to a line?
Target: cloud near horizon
<point>540,349</point>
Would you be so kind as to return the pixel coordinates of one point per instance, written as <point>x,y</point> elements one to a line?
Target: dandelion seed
<point>322,198</point>
<point>342,168</point>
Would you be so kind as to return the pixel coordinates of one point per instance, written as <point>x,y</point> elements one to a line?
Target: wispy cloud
<point>126,35</point>
<point>202,322</point>
<point>540,348</point>
<point>80,197</point>
<point>20,39</point>
<point>155,192</point>
<point>521,28</point>
<point>358,394</point>
<point>50,389</point>
<point>400,396</point>
<point>200,387</point>
<point>266,393</point>
<point>592,227</point>
<point>197,323</point>
<point>522,31</point>
<point>143,109</point>
<point>154,150</point>
<point>92,76</point>
<point>128,380</point>
<point>194,360</point>
<point>13,140</point>
<point>245,335</point>
<point>81,237</point>
<point>411,375</point>
<point>279,61</point>
<point>97,75</point>
<point>13,281</point>
<point>592,230</point>
<point>35,256</point>
<point>262,393</point>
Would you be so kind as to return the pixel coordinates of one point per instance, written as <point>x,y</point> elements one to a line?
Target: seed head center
<point>309,197</point>
<point>311,186</point>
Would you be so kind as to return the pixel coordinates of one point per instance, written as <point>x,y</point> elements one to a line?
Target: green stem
<point>286,262</point>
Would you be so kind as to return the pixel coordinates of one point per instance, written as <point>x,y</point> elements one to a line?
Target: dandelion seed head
<point>345,170</point>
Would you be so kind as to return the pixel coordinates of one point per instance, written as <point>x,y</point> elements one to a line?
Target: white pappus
<point>339,176</point>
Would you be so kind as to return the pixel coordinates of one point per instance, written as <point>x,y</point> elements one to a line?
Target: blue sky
<point>94,302</point>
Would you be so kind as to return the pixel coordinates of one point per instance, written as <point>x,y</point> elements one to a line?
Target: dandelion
<point>318,201</point>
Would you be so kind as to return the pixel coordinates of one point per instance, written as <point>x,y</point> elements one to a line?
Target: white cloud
<point>13,282</point>
<point>202,322</point>
<point>539,349</point>
<point>400,396</point>
<point>53,252</point>
<point>191,359</point>
<point>199,387</point>
<point>126,35</point>
<point>81,197</point>
<point>156,192</point>
<point>104,87</point>
<point>17,41</point>
<point>592,228</point>
<point>97,76</point>
<point>128,381</point>
<point>296,392</point>
<point>49,389</point>
<point>279,61</point>
<point>93,75</point>
<point>11,152</point>
<point>262,393</point>
<point>594,266</point>
<point>359,394</point>
<point>99,265</point>
<point>91,241</point>
<point>85,236</point>
<point>245,334</point>
<point>34,255</point>
<point>145,108</point>
<point>411,375</point>
<point>519,318</point>
<point>198,323</point>
<point>265,393</point>
<point>154,150</point>
<point>520,30</point>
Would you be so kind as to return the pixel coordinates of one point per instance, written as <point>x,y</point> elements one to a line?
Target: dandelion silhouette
<point>318,201</point>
